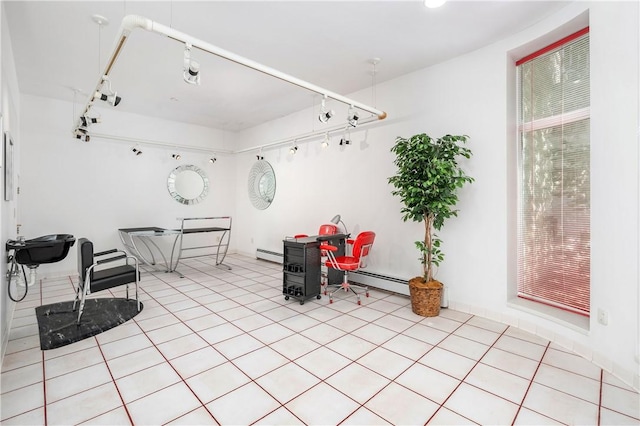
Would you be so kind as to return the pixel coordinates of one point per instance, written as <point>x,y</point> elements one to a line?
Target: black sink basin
<point>45,249</point>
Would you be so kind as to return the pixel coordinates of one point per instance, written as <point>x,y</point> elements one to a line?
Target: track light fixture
<point>82,134</point>
<point>353,117</point>
<point>191,72</point>
<point>293,149</point>
<point>213,159</point>
<point>109,96</point>
<point>136,150</point>
<point>259,157</point>
<point>346,137</point>
<point>325,141</point>
<point>325,114</point>
<point>88,121</point>
<point>176,156</point>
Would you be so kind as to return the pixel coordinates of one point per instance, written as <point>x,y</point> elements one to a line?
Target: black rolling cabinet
<point>301,269</point>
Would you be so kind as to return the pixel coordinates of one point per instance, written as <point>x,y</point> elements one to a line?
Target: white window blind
<point>554,176</point>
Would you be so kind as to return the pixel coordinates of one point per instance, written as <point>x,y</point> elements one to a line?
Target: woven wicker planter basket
<point>425,297</point>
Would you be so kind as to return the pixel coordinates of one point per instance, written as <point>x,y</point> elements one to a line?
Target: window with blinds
<point>554,177</point>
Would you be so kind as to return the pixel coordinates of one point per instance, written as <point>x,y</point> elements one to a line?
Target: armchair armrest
<point>111,259</point>
<point>102,253</point>
<point>328,247</point>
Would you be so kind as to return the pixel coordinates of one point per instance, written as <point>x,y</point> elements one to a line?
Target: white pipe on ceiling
<point>132,22</point>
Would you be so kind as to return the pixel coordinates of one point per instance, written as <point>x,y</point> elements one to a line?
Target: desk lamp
<point>336,219</point>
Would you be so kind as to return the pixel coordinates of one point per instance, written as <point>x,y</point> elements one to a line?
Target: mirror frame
<point>171,184</point>
<point>260,170</point>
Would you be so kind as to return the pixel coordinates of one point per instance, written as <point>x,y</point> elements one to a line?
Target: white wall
<point>9,109</point>
<point>92,189</point>
<point>471,95</point>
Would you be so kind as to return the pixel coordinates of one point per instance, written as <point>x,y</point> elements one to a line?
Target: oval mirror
<point>262,184</point>
<point>188,184</point>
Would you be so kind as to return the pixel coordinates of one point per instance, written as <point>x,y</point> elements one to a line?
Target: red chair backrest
<point>362,244</point>
<point>328,229</point>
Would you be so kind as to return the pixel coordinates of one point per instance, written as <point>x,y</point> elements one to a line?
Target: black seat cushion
<point>113,277</point>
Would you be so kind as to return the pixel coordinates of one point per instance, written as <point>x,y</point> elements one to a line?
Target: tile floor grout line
<point>44,374</point>
<point>524,397</point>
<point>600,396</point>
<point>270,279</point>
<point>468,372</point>
<point>282,405</point>
<point>113,380</point>
<point>176,371</point>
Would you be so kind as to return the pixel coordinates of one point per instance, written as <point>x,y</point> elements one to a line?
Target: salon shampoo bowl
<point>46,249</point>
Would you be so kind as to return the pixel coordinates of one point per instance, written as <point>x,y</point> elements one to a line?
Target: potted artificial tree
<point>427,182</point>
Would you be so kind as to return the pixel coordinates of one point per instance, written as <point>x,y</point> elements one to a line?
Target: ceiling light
<point>293,149</point>
<point>432,4</point>
<point>344,141</point>
<point>191,73</point>
<point>325,141</point>
<point>176,156</point>
<point>213,159</point>
<point>88,121</point>
<point>325,114</point>
<point>82,134</point>
<point>136,150</point>
<point>109,95</point>
<point>353,117</point>
<point>259,157</point>
<point>110,99</point>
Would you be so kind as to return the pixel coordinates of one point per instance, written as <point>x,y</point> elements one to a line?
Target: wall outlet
<point>603,316</point>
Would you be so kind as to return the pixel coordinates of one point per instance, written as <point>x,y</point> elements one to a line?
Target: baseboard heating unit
<point>271,256</point>
<point>383,282</point>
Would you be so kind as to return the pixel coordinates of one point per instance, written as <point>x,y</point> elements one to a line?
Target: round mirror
<point>262,184</point>
<point>188,184</point>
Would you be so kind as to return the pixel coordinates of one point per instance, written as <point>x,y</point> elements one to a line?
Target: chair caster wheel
<point>286,298</point>
<point>359,303</point>
<point>302,302</point>
<point>367,294</point>
<point>330,300</point>
<point>318,297</point>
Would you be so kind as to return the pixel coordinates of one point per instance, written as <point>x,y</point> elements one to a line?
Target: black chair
<point>92,279</point>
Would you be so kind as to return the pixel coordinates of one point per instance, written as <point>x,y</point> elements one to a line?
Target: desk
<point>222,224</point>
<point>129,236</point>
<point>302,263</point>
<point>139,242</point>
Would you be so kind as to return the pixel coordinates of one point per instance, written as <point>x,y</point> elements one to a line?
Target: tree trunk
<point>428,269</point>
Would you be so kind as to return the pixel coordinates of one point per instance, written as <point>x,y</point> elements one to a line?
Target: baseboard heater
<point>269,255</point>
<point>371,279</point>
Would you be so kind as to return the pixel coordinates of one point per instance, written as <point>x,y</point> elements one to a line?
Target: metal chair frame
<point>359,251</point>
<point>84,285</point>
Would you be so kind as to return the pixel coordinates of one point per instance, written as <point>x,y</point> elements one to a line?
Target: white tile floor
<point>224,347</point>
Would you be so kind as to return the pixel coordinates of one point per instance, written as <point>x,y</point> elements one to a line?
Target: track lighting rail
<point>132,22</point>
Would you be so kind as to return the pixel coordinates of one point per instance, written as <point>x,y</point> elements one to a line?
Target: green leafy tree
<point>427,182</point>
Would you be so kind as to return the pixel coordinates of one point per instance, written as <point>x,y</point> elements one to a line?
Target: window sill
<point>567,319</point>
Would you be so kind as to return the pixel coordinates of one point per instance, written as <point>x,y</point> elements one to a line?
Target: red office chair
<point>357,260</point>
<point>326,229</point>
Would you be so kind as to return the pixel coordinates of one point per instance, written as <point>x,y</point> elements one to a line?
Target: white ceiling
<point>58,48</point>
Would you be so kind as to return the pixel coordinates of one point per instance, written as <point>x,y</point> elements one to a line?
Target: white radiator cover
<point>384,282</point>
<point>269,255</point>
